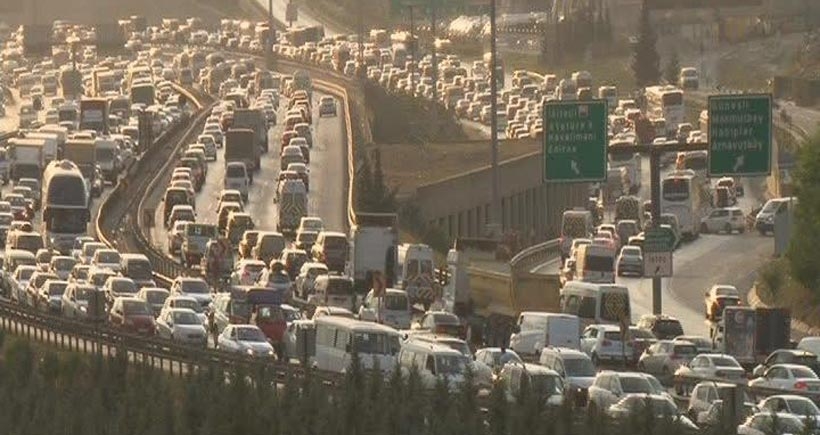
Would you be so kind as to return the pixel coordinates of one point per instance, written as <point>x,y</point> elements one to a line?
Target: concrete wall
<point>459,205</point>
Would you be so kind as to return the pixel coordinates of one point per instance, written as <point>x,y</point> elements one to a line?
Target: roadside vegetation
<point>44,392</point>
<point>794,280</point>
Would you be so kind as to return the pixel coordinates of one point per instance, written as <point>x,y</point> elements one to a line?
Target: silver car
<point>663,358</point>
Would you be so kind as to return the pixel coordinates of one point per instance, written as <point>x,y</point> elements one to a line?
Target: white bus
<point>65,205</point>
<point>627,159</point>
<point>337,338</point>
<point>666,102</point>
<point>686,196</point>
<point>595,303</point>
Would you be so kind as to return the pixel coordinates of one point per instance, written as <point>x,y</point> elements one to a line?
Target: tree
<point>672,69</point>
<point>645,58</point>
<point>802,253</point>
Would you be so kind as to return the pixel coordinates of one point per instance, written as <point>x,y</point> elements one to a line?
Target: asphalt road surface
<point>328,187</point>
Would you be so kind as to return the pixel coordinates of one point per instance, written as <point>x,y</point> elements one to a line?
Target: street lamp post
<point>495,207</point>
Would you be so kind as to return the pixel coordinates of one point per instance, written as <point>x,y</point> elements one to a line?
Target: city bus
<point>65,205</point>
<point>666,102</point>
<point>685,195</point>
<point>619,156</point>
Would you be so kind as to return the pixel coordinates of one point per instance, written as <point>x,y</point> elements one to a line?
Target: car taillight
<point>607,343</point>
<point>801,385</point>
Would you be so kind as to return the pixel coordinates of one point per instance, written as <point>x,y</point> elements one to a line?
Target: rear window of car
<point>235,171</point>
<point>336,242</point>
<point>686,350</point>
<point>669,328</point>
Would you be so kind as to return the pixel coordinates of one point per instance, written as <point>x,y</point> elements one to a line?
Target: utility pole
<point>360,60</point>
<point>271,37</point>
<point>413,43</point>
<point>655,195</point>
<point>495,206</point>
<point>435,65</point>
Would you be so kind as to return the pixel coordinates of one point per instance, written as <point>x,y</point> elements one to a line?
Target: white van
<point>596,303</point>
<point>595,263</point>
<point>431,361</point>
<point>764,221</point>
<point>337,337</point>
<point>236,178</point>
<point>535,330</point>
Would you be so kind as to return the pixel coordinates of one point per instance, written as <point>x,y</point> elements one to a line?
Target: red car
<point>132,315</point>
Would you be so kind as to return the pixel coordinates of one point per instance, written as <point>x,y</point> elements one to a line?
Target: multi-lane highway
<point>328,189</point>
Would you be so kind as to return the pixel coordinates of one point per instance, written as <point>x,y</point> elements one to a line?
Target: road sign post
<point>657,252</point>
<point>740,135</point>
<point>575,141</point>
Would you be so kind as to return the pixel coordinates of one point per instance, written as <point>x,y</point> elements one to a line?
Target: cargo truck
<point>26,157</point>
<point>254,120</point>
<point>51,141</point>
<point>94,115</point>
<point>751,334</point>
<point>374,242</point>
<point>484,290</point>
<point>240,146</point>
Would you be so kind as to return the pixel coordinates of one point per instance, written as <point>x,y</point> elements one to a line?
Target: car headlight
<point>83,309</point>
<point>249,351</point>
<point>271,353</point>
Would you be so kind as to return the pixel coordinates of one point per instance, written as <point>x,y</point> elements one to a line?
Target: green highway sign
<point>575,140</point>
<point>657,252</point>
<point>740,135</point>
<point>659,239</point>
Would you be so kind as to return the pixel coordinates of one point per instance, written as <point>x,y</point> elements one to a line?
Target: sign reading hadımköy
<point>740,135</point>
<point>575,140</point>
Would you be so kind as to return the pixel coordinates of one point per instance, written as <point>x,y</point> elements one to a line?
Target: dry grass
<point>775,287</point>
<point>409,165</point>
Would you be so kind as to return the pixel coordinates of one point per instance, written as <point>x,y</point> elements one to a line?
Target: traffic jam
<point>286,288</point>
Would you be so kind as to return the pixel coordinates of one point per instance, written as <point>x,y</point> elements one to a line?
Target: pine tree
<point>645,58</point>
<point>469,412</point>
<point>364,188</point>
<point>802,253</point>
<point>498,410</point>
<point>672,69</point>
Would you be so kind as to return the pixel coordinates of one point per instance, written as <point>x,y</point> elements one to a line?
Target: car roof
<point>565,352</point>
<point>788,366</point>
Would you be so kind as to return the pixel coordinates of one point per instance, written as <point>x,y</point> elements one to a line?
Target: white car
<point>726,219</point>
<point>245,339</point>
<point>711,365</point>
<point>603,343</point>
<point>181,325</point>
<point>799,406</point>
<point>788,377</point>
<point>191,287</point>
<point>188,303</point>
<point>209,143</point>
<point>610,386</point>
<point>767,423</point>
<point>106,259</point>
<point>247,272</point>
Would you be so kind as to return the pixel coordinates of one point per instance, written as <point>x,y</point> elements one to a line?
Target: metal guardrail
<point>176,358</point>
<point>535,255</point>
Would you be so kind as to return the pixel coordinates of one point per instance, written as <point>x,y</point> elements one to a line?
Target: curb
<point>797,325</point>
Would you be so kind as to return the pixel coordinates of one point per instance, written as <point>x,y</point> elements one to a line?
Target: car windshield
<point>195,286</point>
<point>64,263</point>
<point>188,303</point>
<point>25,274</point>
<point>641,333</point>
<point>450,364</point>
<point>630,384</point>
<point>254,268</point>
<point>30,242</point>
<point>135,308</point>
<point>720,361</point>
<point>123,286</point>
<point>342,287</point>
<point>686,350</point>
<point>84,293</point>
<point>659,406</point>
<point>668,328</point>
<point>139,270</point>
<point>579,367</point>
<point>235,171</point>
<point>546,384</point>
<point>631,251</point>
<point>57,289</point>
<point>156,297</point>
<point>396,302</point>
<point>186,318</point>
<point>250,334</point>
<point>109,257</point>
<point>446,319</point>
<point>803,407</point>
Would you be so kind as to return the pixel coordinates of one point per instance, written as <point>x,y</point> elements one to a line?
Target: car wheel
<point>704,228</point>
<point>595,360</point>
<point>727,228</point>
